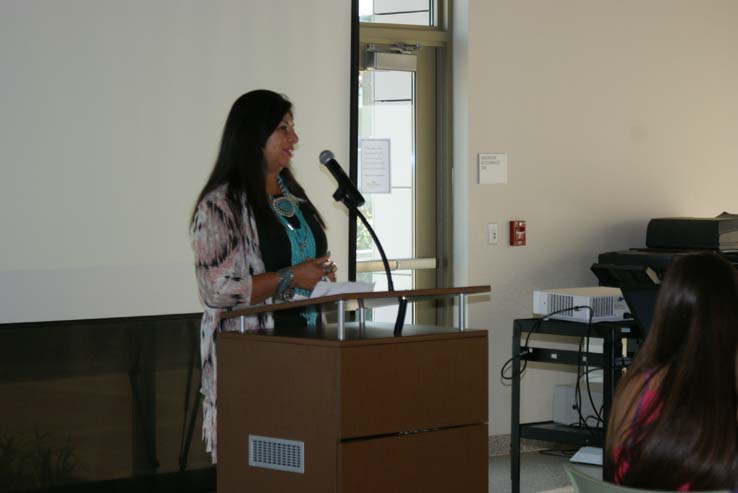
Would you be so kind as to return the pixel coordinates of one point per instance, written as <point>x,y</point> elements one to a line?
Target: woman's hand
<point>308,273</point>
<point>329,270</point>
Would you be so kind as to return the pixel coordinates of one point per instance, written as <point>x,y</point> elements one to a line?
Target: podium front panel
<point>406,386</point>
<point>421,400</point>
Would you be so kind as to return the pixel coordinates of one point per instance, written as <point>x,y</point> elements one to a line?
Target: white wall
<point>110,121</point>
<point>611,113</point>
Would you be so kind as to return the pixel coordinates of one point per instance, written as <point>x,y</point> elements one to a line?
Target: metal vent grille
<point>276,453</point>
<point>603,307</point>
<point>558,302</point>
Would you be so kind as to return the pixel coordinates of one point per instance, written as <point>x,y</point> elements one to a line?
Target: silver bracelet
<point>283,291</point>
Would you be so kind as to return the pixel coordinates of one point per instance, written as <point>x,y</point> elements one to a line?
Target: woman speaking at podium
<point>256,235</point>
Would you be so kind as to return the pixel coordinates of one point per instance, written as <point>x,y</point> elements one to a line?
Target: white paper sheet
<point>324,288</point>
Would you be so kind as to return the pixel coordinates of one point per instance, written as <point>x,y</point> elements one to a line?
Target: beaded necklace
<point>302,241</point>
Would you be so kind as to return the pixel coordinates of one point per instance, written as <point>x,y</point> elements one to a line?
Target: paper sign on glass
<point>374,165</point>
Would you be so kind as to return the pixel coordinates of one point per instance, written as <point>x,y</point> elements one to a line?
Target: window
<point>408,12</point>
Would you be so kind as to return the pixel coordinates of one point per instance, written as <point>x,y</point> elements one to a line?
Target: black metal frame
<point>611,361</point>
<point>353,132</point>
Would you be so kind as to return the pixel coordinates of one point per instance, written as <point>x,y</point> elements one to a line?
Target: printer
<point>666,240</point>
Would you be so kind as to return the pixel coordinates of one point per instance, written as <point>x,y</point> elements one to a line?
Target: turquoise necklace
<point>302,241</point>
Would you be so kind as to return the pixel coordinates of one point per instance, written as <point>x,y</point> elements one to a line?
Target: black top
<point>276,253</point>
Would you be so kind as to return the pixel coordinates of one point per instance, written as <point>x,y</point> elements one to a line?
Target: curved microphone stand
<point>352,202</point>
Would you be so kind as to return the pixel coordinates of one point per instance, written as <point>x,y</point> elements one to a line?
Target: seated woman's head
<point>673,422</point>
<point>696,316</point>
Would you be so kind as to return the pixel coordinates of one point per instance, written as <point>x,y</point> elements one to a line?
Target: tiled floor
<point>538,472</point>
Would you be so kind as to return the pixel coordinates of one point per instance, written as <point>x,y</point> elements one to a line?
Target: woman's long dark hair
<point>692,342</point>
<point>241,164</point>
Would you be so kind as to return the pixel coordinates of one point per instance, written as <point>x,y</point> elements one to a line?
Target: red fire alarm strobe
<point>517,233</point>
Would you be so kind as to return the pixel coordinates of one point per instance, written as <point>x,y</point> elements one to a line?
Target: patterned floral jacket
<point>225,262</point>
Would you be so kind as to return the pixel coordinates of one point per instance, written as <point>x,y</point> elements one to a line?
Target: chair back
<point>584,483</point>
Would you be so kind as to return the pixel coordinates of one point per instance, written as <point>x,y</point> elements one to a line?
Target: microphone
<point>347,191</point>
<point>352,199</point>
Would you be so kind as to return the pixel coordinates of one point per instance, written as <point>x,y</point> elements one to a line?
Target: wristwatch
<point>284,292</point>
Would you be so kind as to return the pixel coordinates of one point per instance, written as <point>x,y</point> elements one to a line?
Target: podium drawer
<point>439,461</point>
<point>410,386</point>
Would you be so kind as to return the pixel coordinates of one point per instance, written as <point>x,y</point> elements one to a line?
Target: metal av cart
<point>611,360</point>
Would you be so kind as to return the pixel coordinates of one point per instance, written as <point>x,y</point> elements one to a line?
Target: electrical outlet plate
<point>493,234</point>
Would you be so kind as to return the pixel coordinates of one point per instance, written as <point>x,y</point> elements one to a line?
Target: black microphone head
<point>326,156</point>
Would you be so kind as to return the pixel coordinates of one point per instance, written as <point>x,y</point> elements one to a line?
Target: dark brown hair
<point>240,163</point>
<point>692,436</point>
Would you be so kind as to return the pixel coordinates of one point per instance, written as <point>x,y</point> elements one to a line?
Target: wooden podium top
<point>363,330</point>
<point>371,299</point>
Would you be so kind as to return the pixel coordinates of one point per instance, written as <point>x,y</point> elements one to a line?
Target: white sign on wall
<point>492,168</point>
<point>374,165</point>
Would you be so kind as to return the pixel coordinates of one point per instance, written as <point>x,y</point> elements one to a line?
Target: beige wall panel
<point>611,113</point>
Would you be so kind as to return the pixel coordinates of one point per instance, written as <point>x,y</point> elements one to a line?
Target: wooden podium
<point>352,407</point>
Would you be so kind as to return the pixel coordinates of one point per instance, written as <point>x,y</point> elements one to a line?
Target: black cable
<point>583,421</point>
<point>524,350</point>
<point>579,424</point>
<point>577,389</point>
<point>598,414</point>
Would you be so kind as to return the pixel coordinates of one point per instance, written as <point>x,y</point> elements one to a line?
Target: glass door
<point>397,115</point>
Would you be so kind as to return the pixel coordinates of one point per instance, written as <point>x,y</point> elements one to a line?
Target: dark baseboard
<point>195,481</point>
